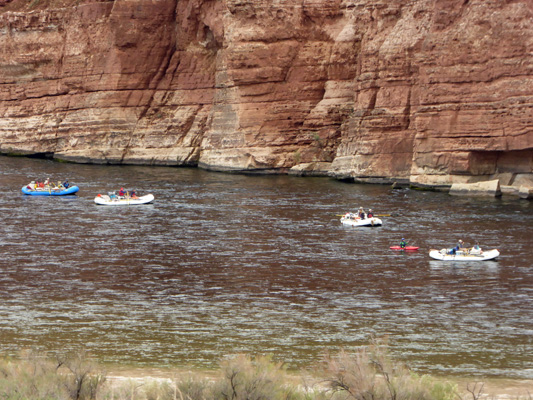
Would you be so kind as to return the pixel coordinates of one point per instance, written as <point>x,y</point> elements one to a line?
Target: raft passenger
<point>476,249</point>
<point>458,247</point>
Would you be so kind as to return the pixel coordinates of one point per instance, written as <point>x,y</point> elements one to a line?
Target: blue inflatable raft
<point>49,192</point>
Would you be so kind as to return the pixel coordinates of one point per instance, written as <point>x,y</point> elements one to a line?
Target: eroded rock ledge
<point>426,92</point>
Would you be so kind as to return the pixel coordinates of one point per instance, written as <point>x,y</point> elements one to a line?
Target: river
<point>222,264</point>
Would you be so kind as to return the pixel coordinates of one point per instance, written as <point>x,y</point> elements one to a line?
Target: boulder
<point>311,169</point>
<point>509,190</point>
<point>526,192</point>
<point>523,180</point>
<point>486,188</point>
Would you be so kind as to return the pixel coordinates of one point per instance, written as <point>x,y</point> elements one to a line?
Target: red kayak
<point>404,248</point>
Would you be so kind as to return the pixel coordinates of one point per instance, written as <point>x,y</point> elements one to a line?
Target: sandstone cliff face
<point>431,92</point>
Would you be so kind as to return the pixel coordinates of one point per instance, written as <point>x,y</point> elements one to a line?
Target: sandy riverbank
<point>491,388</point>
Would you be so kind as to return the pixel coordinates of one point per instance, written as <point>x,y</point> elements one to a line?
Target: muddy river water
<point>222,264</point>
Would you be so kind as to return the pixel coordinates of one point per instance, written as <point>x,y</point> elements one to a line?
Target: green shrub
<point>257,378</point>
<point>194,389</point>
<point>81,376</point>
<point>33,378</point>
<point>317,139</point>
<point>189,389</point>
<point>297,157</point>
<point>36,377</point>
<point>371,374</point>
<point>367,374</point>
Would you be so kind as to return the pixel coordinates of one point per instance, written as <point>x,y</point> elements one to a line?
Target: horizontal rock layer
<point>427,92</point>
<point>486,188</point>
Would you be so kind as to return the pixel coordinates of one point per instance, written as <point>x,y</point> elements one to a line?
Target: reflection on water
<point>223,263</point>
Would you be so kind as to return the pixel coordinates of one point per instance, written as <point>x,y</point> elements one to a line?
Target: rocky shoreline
<point>518,186</point>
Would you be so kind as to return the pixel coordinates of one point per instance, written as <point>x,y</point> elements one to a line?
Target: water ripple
<point>225,263</point>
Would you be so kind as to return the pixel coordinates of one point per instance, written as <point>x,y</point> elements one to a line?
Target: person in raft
<point>66,184</point>
<point>476,249</point>
<point>361,213</point>
<point>133,194</point>
<point>370,214</point>
<point>121,192</point>
<point>459,246</point>
<point>404,243</point>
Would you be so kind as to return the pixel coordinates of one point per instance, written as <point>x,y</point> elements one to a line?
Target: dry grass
<point>368,374</point>
<point>371,374</point>
<point>36,377</point>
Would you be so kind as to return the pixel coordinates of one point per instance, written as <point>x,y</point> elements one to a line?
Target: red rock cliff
<point>427,91</point>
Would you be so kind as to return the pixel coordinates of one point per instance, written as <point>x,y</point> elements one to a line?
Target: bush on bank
<point>34,377</point>
<point>369,374</point>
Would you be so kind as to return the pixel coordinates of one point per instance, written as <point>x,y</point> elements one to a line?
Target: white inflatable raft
<point>463,255</point>
<point>353,220</point>
<point>106,200</point>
